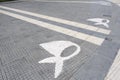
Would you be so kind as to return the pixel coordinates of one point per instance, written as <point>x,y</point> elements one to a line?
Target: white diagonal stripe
<point>63,21</point>
<point>79,35</point>
<point>114,71</point>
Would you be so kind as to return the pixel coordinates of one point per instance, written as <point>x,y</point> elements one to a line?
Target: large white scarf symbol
<point>56,48</point>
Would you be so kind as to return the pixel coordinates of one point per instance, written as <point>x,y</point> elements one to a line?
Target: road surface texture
<point>64,40</point>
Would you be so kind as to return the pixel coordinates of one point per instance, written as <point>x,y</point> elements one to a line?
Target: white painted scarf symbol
<point>100,21</point>
<point>56,48</point>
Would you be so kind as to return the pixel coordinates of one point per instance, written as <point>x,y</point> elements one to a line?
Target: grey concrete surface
<point>20,50</point>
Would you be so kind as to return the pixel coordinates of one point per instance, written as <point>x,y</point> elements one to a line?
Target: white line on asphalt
<point>63,21</point>
<point>114,72</point>
<point>106,3</point>
<point>79,35</point>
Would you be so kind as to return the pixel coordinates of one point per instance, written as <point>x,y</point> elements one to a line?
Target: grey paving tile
<point>94,69</point>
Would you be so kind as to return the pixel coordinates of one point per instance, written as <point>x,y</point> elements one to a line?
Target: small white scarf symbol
<point>100,21</point>
<point>56,48</point>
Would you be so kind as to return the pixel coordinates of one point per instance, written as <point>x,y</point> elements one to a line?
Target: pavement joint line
<point>114,71</point>
<point>59,20</point>
<point>86,37</point>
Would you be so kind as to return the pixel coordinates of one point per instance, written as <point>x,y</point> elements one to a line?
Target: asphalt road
<point>43,40</point>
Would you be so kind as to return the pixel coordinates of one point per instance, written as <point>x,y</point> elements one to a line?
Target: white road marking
<point>106,3</point>
<point>79,35</point>
<point>115,1</point>
<point>114,72</point>
<point>56,48</point>
<point>71,23</point>
<point>100,21</point>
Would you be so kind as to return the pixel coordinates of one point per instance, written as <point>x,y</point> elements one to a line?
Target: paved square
<point>34,31</point>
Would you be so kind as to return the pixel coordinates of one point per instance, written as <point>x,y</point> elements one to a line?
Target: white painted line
<point>63,21</point>
<point>56,48</point>
<point>114,1</point>
<point>79,35</point>
<point>106,3</point>
<point>114,72</point>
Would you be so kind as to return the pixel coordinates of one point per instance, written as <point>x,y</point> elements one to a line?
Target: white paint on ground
<point>75,34</point>
<point>117,2</point>
<point>106,3</point>
<point>56,48</point>
<point>114,72</point>
<point>100,21</point>
<point>114,1</point>
<point>63,21</point>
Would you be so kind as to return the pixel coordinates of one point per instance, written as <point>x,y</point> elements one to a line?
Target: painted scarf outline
<point>100,21</point>
<point>56,48</point>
